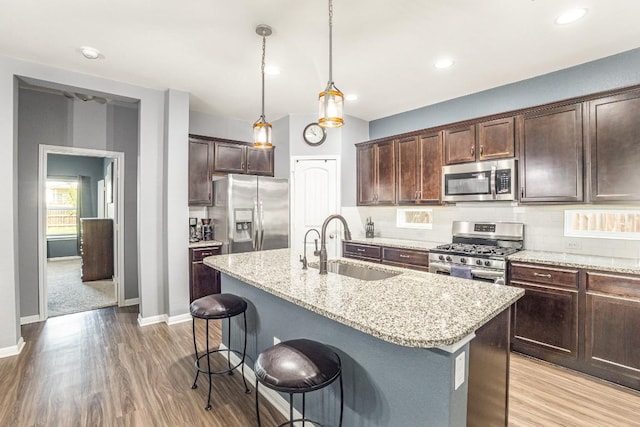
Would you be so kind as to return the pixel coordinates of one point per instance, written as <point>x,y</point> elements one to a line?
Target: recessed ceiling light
<point>444,63</point>
<point>271,70</point>
<point>90,52</point>
<point>570,16</point>
<point>351,97</point>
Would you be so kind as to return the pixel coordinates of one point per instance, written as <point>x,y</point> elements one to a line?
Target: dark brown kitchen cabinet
<point>550,161</point>
<point>419,167</point>
<point>241,158</point>
<point>407,258</point>
<point>492,139</point>
<point>96,249</point>
<point>200,171</point>
<point>362,252</point>
<point>612,325</point>
<point>614,139</point>
<point>203,280</point>
<point>376,173</point>
<point>545,319</point>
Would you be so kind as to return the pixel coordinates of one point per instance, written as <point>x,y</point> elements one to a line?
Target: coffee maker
<point>193,230</point>
<point>207,229</point>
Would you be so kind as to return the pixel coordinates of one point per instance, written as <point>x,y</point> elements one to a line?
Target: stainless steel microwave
<point>480,181</point>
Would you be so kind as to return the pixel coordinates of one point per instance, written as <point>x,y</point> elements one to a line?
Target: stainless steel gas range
<point>478,250</point>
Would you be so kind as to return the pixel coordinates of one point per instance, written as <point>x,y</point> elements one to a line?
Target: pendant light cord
<point>330,41</point>
<point>264,50</point>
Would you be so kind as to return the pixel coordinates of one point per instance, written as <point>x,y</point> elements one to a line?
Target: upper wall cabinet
<point>614,139</point>
<point>208,156</point>
<point>376,173</point>
<point>550,161</point>
<point>419,168</point>
<point>494,139</point>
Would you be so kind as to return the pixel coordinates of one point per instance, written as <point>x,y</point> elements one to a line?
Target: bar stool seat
<point>212,307</point>
<point>298,366</point>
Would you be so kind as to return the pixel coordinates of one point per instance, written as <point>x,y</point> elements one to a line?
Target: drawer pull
<point>361,250</point>
<point>546,276</point>
<point>404,256</point>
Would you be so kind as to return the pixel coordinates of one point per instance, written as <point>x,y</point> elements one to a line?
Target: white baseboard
<point>30,319</point>
<point>12,350</point>
<point>273,397</point>
<point>172,320</point>
<point>151,320</point>
<point>132,301</point>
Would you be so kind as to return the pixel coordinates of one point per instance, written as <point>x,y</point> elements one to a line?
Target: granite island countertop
<point>591,262</point>
<point>413,309</point>
<point>204,244</point>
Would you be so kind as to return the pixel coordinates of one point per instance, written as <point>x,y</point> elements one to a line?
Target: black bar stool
<point>211,307</point>
<point>298,366</point>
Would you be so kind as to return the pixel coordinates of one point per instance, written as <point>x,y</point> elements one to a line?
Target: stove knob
<point>463,260</point>
<point>448,258</point>
<point>441,257</point>
<point>487,263</point>
<point>479,262</point>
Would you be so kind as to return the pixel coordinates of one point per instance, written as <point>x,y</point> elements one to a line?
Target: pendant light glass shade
<point>262,128</point>
<point>331,100</point>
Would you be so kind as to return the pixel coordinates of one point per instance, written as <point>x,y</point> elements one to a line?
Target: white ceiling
<point>384,50</point>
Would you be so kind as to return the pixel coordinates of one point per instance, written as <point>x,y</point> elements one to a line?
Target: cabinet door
<point>386,173</point>
<point>612,325</point>
<point>359,251</point>
<point>229,157</point>
<point>460,145</point>
<point>200,163</point>
<point>407,169</point>
<point>496,139</point>
<point>366,174</point>
<point>203,280</point>
<point>430,172</point>
<point>614,137</point>
<point>545,319</point>
<point>96,236</point>
<point>551,155</point>
<point>260,161</point>
<point>408,258</point>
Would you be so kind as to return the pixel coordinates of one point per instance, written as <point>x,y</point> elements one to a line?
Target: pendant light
<point>331,99</point>
<point>262,128</point>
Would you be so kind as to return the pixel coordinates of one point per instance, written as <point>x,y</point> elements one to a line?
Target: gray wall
<point>51,119</point>
<point>615,71</point>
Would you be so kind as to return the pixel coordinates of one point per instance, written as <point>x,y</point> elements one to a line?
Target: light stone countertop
<point>591,262</point>
<point>396,243</point>
<point>204,244</point>
<point>413,309</point>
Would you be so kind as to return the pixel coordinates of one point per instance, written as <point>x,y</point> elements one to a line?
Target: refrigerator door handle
<point>261,225</point>
<point>254,241</point>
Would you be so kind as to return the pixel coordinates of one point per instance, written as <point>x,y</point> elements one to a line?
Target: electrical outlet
<point>572,244</point>
<point>459,370</point>
<point>276,340</point>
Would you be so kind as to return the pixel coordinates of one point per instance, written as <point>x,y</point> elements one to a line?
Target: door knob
<point>331,236</point>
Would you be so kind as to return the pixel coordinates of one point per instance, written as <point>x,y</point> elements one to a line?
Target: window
<point>608,224</point>
<point>414,218</point>
<point>62,207</point>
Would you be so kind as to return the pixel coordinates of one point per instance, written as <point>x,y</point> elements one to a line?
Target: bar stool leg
<point>341,399</point>
<point>303,412</point>
<point>257,406</point>
<point>229,346</point>
<point>244,353</point>
<point>291,407</point>
<point>208,407</point>
<point>195,347</point>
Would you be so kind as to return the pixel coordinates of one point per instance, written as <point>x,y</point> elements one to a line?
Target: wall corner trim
<point>12,350</point>
<point>151,320</point>
<point>181,318</point>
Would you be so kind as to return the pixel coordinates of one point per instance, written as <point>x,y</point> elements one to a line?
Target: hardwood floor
<point>542,394</point>
<point>99,368</point>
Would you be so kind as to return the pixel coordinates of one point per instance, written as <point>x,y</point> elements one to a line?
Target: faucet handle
<point>303,260</point>
<point>316,252</point>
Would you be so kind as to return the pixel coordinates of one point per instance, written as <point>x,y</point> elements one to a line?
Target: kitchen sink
<point>356,271</point>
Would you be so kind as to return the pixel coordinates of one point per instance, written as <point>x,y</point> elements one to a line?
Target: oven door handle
<point>497,276</point>
<point>438,267</point>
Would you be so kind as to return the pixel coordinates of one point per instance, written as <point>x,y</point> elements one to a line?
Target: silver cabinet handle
<point>404,256</point>
<point>547,276</point>
<point>361,250</point>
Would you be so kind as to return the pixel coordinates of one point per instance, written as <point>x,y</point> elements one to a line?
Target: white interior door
<point>315,196</point>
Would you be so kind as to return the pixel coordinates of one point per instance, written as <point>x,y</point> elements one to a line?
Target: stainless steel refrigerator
<point>251,213</point>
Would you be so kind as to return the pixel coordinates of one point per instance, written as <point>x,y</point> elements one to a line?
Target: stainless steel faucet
<point>323,240</point>
<point>316,252</point>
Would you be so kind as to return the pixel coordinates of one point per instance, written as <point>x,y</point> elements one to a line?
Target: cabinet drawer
<point>406,256</point>
<point>198,254</point>
<point>357,250</point>
<point>623,286</point>
<point>544,275</point>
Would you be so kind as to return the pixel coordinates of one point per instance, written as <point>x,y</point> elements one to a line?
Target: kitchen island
<point>404,341</point>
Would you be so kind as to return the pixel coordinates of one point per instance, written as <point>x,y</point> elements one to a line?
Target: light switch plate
<point>459,370</point>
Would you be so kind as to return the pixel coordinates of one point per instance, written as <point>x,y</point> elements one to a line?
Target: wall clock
<point>314,134</point>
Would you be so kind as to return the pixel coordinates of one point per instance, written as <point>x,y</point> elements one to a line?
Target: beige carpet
<point>68,294</point>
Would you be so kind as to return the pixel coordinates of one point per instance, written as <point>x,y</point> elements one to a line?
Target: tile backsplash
<point>544,226</point>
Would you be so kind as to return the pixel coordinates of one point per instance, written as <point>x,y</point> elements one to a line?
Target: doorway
<point>315,194</point>
<point>79,242</point>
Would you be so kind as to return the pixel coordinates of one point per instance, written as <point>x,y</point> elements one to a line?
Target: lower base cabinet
<point>399,257</point>
<point>203,280</point>
<point>581,319</point>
